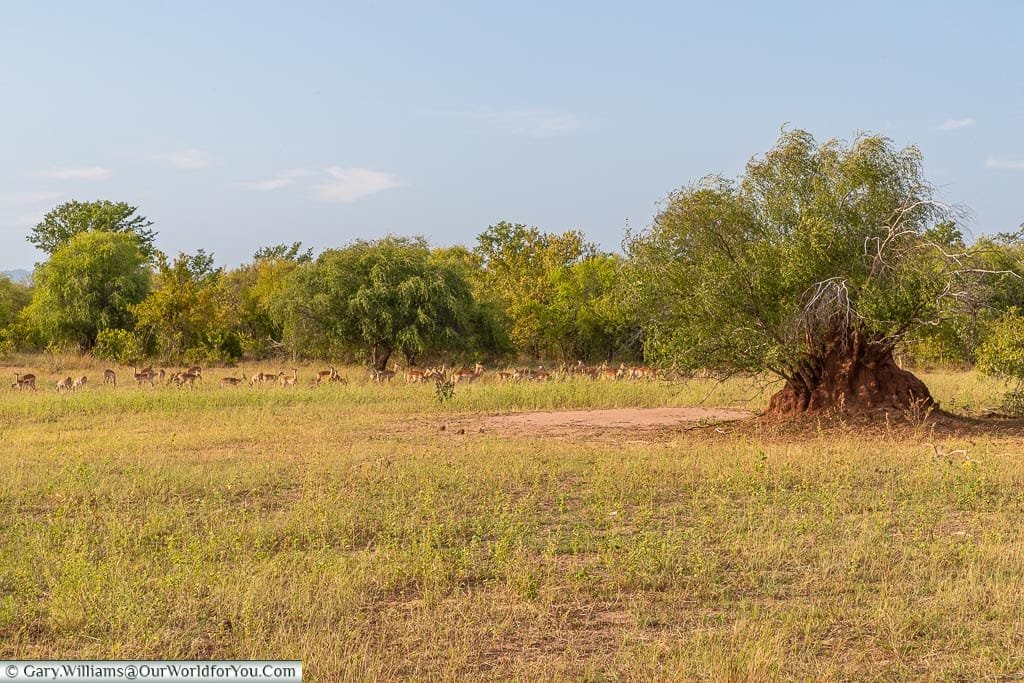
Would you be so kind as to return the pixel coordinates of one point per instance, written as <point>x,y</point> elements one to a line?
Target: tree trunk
<point>857,376</point>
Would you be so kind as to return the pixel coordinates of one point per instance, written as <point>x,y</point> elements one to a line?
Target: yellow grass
<point>340,526</point>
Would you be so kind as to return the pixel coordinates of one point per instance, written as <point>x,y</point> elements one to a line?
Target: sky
<point>234,125</point>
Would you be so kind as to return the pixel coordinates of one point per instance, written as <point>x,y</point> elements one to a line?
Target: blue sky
<point>238,124</point>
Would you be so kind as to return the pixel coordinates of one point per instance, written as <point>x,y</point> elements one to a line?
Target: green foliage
<point>284,252</point>
<point>377,298</point>
<point>118,346</point>
<point>13,297</point>
<point>72,218</point>
<point>814,244</point>
<point>90,284</point>
<point>186,316</point>
<point>1002,352</point>
<point>559,294</point>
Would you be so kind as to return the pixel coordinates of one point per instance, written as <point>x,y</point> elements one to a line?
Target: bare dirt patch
<point>577,422</point>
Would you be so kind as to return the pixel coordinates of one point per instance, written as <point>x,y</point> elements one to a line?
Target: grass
<point>338,526</point>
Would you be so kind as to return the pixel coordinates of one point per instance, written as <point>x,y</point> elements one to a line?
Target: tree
<point>813,266</point>
<point>89,284</point>
<point>520,264</point>
<point>13,298</point>
<point>376,298</point>
<point>61,224</point>
<point>185,316</point>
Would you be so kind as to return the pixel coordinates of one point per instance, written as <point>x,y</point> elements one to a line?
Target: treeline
<point>518,292</point>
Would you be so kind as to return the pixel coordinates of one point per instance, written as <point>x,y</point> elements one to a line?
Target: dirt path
<point>577,423</point>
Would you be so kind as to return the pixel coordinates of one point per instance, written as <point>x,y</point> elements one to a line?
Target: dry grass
<point>318,524</point>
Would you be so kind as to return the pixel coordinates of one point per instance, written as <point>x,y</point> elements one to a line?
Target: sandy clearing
<point>614,417</point>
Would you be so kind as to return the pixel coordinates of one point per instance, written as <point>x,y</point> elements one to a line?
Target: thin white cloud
<point>186,159</point>
<point>350,184</point>
<point>77,173</point>
<point>955,124</point>
<point>536,122</point>
<point>285,178</point>
<point>265,185</point>
<point>1005,164</point>
<point>28,198</point>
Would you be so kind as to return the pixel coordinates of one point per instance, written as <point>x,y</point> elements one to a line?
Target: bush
<point>118,346</point>
<point>1002,355</point>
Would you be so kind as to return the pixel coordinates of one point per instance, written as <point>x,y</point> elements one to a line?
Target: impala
<point>413,376</point>
<point>65,384</point>
<point>326,375</point>
<point>289,380</point>
<point>109,377</point>
<point>79,383</point>
<point>232,381</point>
<point>144,376</point>
<point>27,381</point>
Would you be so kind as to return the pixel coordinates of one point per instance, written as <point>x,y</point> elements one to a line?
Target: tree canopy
<point>62,223</point>
<point>820,253</point>
<point>89,284</point>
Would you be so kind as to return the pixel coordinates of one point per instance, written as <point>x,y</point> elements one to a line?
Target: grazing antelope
<point>465,375</point>
<point>381,376</point>
<point>187,377</point>
<point>605,372</point>
<point>144,376</point>
<point>506,375</point>
<point>109,377</point>
<point>233,381</point>
<point>413,376</point>
<point>642,372</point>
<point>325,376</point>
<point>436,374</point>
<point>27,381</point>
<point>289,380</point>
<point>65,384</point>
<point>540,374</point>
<point>79,383</point>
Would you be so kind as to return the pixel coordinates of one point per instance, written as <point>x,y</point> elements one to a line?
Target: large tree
<point>377,298</point>
<point>813,266</point>
<point>186,316</point>
<point>89,284</point>
<point>74,217</point>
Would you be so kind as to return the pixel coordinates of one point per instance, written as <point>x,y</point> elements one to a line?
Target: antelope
<point>642,372</point>
<point>79,383</point>
<point>27,381</point>
<point>109,377</point>
<point>385,375</point>
<point>540,374</point>
<point>144,376</point>
<point>181,378</point>
<point>326,376</point>
<point>232,381</point>
<point>505,375</point>
<point>605,372</point>
<point>289,380</point>
<point>65,384</point>
<point>160,375</point>
<point>467,375</point>
<point>413,376</point>
<point>257,378</point>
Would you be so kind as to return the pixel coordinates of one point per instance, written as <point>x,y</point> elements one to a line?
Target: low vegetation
<point>339,524</point>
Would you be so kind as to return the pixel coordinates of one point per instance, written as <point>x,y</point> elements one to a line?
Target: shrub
<point>118,346</point>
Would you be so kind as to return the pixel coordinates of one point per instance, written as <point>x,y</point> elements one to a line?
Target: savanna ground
<point>341,526</point>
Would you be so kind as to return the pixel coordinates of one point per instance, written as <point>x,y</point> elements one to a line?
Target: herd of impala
<point>189,376</point>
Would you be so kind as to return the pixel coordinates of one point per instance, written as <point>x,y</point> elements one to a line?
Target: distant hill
<point>19,275</point>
